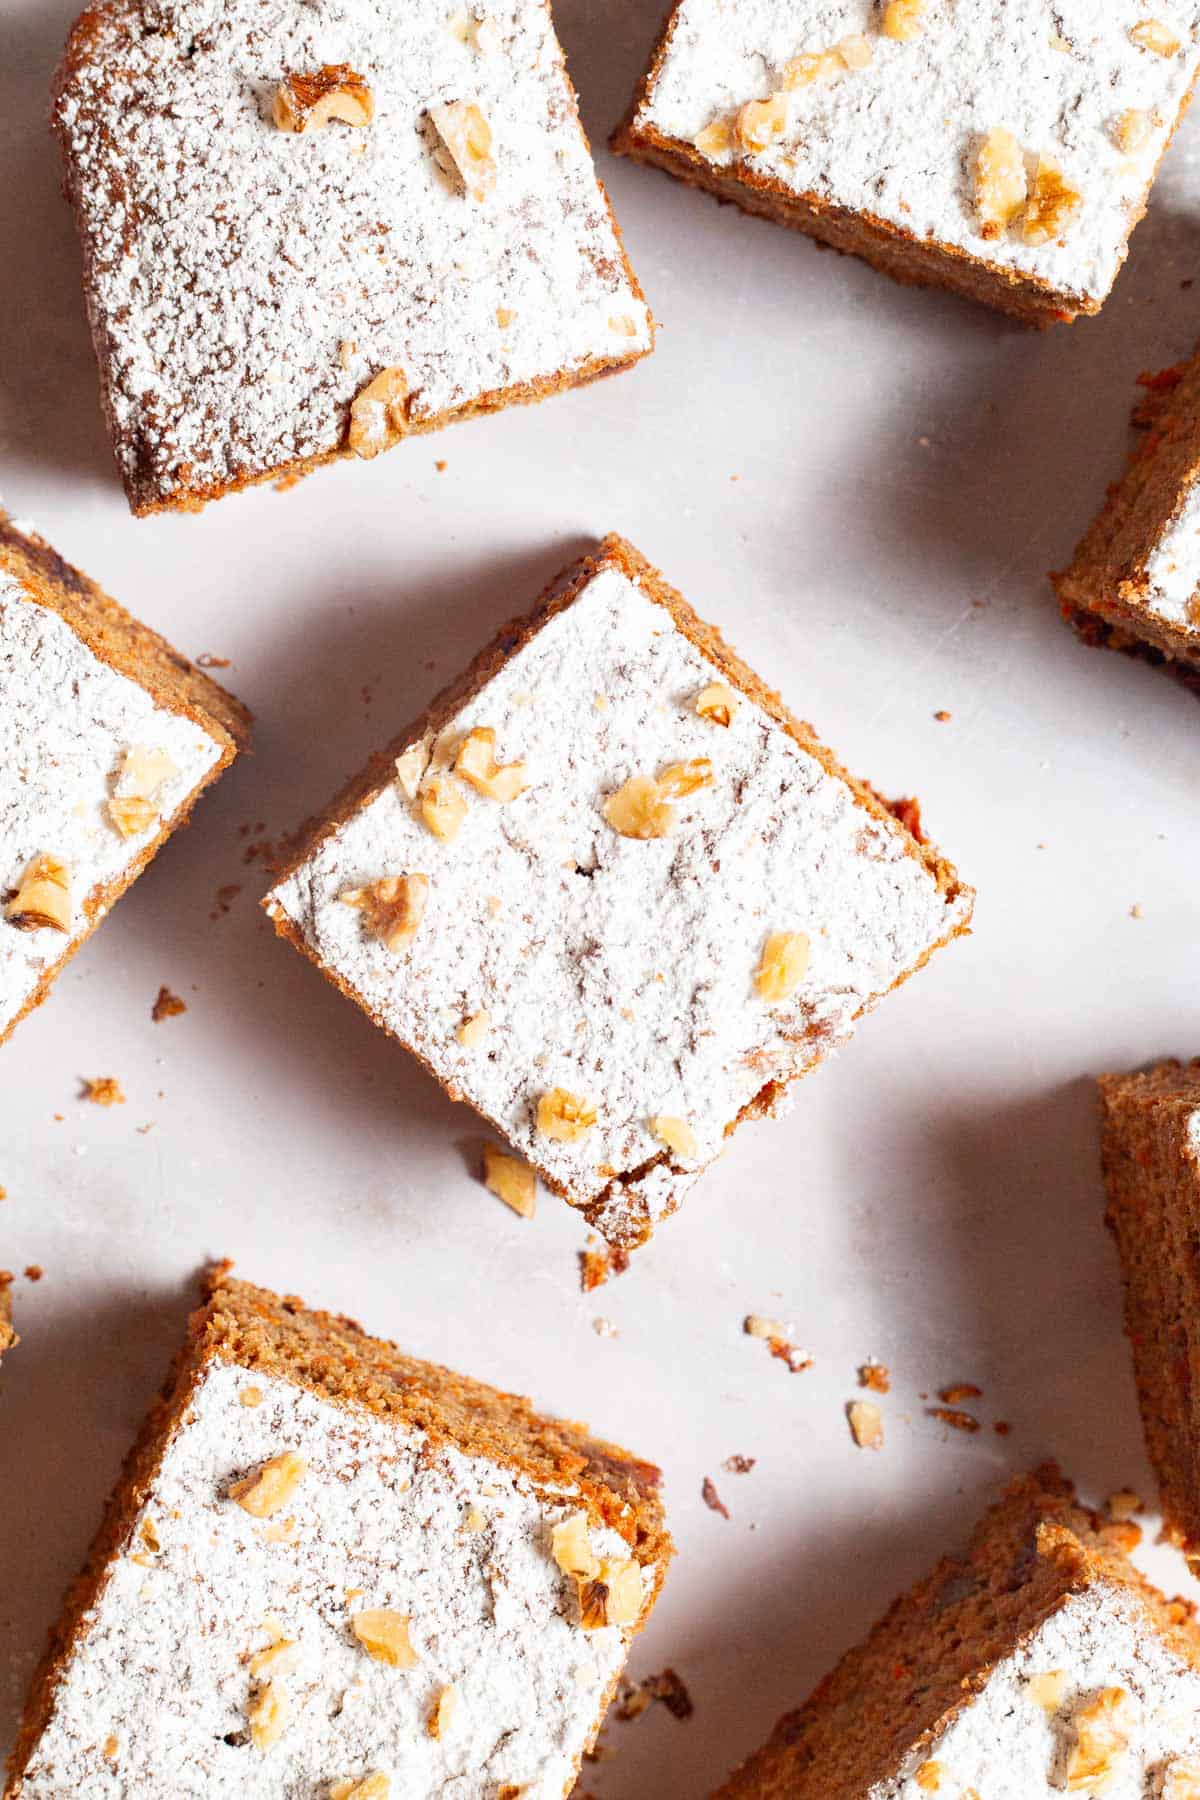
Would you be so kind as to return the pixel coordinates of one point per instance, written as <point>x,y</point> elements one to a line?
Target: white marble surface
<point>865,487</point>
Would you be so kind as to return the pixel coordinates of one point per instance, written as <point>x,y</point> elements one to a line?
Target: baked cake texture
<point>8,1337</point>
<point>1150,1146</point>
<point>613,894</point>
<point>1038,1662</point>
<point>111,736</point>
<point>1134,583</point>
<point>331,1570</point>
<point>313,227</point>
<point>1005,152</point>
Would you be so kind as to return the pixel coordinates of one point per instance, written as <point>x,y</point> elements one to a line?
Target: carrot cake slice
<point>1134,583</point>
<point>8,1337</point>
<point>111,738</point>
<point>1150,1145</point>
<point>1005,152</point>
<point>613,894</point>
<point>329,1570</point>
<point>311,230</point>
<point>1037,1663</point>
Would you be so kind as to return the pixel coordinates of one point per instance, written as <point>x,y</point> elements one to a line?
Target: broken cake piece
<point>1005,152</point>
<point>664,893</point>
<point>1039,1658</point>
<point>111,738</point>
<point>290,256</point>
<point>331,1570</point>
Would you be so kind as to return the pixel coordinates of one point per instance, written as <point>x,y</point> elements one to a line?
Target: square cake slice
<point>1134,583</point>
<point>312,229</point>
<point>613,894</point>
<point>1150,1147</point>
<point>331,1571</point>
<point>111,737</point>
<point>1005,152</point>
<point>1038,1663</point>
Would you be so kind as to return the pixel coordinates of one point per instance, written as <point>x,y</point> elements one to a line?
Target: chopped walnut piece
<point>718,703</point>
<point>280,1658</point>
<point>639,809</point>
<point>614,1597</point>
<point>761,123</point>
<point>467,138</point>
<point>782,967</point>
<point>1000,182</point>
<point>1048,1690</point>
<point>756,1326</point>
<point>476,763</point>
<point>681,779</point>
<point>676,1134</point>
<point>394,907</point>
<point>564,1116</point>
<point>43,899</point>
<point>1181,1779</point>
<point>855,51</point>
<point>105,1090</point>
<point>111,1746</point>
<point>623,325</point>
<point>473,1031</point>
<point>441,1714</point>
<point>866,1424</point>
<point>812,66</point>
<point>372,1787</point>
<point>1131,129</point>
<point>511,1180</point>
<point>268,1714</point>
<point>379,414</point>
<point>875,1376</point>
<point>132,808</point>
<point>1052,204</point>
<point>902,19</point>
<point>410,767</point>
<point>504,317</point>
<point>571,1548</point>
<point>1103,1729</point>
<point>383,1634</point>
<point>1152,34</point>
<point>271,1486</point>
<point>715,140</point>
<point>306,102</point>
<point>474,1521</point>
<point>929,1777</point>
<point>251,1396</point>
<point>443,806</point>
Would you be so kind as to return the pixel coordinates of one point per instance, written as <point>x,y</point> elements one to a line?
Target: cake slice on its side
<point>1150,1144</point>
<point>613,894</point>
<point>329,1569</point>
<point>1040,1659</point>
<point>111,737</point>
<point>8,1337</point>
<point>1004,152</point>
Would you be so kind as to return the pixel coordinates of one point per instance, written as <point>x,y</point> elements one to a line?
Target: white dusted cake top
<point>248,282</point>
<point>622,971</point>
<point>1172,570</point>
<point>92,770</point>
<point>896,132</point>
<point>210,1606</point>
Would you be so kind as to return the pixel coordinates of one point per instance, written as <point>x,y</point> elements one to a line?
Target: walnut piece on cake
<point>110,738</point>
<point>305,102</point>
<point>950,143</point>
<point>424,1630</point>
<point>667,907</point>
<point>1039,1651</point>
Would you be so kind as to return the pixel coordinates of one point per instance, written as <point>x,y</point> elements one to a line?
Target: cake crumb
<point>604,1328</point>
<point>876,1376</point>
<point>712,1499</point>
<point>209,661</point>
<point>1135,911</point>
<point>1001,1427</point>
<point>953,1417</point>
<point>224,898</point>
<point>739,1465</point>
<point>441,466</point>
<point>668,1689</point>
<point>511,1180</point>
<point>866,1424</point>
<point>104,1091</point>
<point>777,1341</point>
<point>167,1005</point>
<point>596,1266</point>
<point>959,1390</point>
<point>1123,1504</point>
<point>34,1272</point>
<point>942,716</point>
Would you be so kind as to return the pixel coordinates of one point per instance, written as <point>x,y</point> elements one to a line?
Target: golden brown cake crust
<point>333,1358</point>
<point>120,641</point>
<point>933,1650</point>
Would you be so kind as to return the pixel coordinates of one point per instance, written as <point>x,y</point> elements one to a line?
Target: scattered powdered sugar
<point>623,970</point>
<point>1172,569</point>
<point>899,138</point>
<point>380,1521</point>
<point>245,282</point>
<point>1007,1746</point>
<point>69,719</point>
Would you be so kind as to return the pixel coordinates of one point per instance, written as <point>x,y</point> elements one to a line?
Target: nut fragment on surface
<point>511,1180</point>
<point>676,1134</point>
<point>866,1424</point>
<point>929,1777</point>
<point>1048,1690</point>
<point>718,703</point>
<point>1132,128</point>
<point>379,414</point>
<point>410,767</point>
<point>564,1117</point>
<point>271,1486</point>
<point>571,1547</point>
<point>680,779</point>
<point>467,139</point>
<point>383,1634</point>
<point>372,1787</point>
<point>473,1031</point>
<point>103,1090</point>
<point>876,1376</point>
<point>393,908</point>
<point>855,51</point>
<point>639,809</point>
<point>715,140</point>
<point>1181,1779</point>
<point>132,808</point>
<point>761,123</point>
<point>1052,204</point>
<point>903,19</point>
<point>1153,34</point>
<point>267,1715</point>
<point>443,807</point>
<point>614,1596</point>
<point>1103,1729</point>
<point>812,66</point>
<point>441,1713</point>
<point>43,899</point>
<point>305,102</point>
<point>279,1658</point>
<point>783,966</point>
<point>476,763</point>
<point>1000,182</point>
